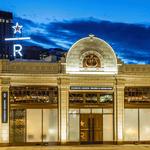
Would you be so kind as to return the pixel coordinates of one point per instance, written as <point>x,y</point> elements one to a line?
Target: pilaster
<point>119,109</point>
<point>63,83</point>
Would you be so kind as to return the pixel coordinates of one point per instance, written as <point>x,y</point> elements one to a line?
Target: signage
<point>4,107</point>
<point>90,88</point>
<point>17,48</point>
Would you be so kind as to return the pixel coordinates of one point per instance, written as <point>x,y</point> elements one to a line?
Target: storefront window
<point>108,127</point>
<point>73,127</point>
<point>50,125</point>
<point>144,124</point>
<point>131,125</point>
<point>85,111</point>
<point>97,110</point>
<point>107,110</point>
<point>34,125</point>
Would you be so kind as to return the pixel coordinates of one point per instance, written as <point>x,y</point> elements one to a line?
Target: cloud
<point>43,40</point>
<point>131,42</point>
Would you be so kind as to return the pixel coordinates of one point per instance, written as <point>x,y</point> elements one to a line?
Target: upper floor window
<point>137,95</point>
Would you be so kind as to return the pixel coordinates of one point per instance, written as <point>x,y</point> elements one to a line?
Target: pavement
<point>85,147</point>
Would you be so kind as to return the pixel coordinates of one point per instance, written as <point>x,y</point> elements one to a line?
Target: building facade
<point>5,32</point>
<point>89,97</point>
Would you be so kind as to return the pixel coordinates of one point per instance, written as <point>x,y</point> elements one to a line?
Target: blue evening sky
<point>131,11</point>
<point>124,24</point>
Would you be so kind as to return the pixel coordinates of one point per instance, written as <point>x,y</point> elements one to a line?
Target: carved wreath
<point>91,61</point>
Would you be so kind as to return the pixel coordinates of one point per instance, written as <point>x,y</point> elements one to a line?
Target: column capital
<point>63,81</point>
<point>5,81</point>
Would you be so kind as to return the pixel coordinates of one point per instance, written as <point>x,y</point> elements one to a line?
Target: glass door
<point>85,127</point>
<point>17,126</point>
<point>36,126</point>
<point>97,125</point>
<point>91,128</point>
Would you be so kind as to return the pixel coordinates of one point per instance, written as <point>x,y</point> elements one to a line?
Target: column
<point>4,127</point>
<point>63,108</point>
<point>119,110</point>
<point>115,113</point>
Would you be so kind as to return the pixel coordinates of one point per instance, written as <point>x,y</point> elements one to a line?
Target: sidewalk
<point>85,147</point>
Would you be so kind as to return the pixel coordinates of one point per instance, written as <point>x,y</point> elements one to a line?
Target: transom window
<point>90,98</point>
<point>33,94</point>
<point>137,95</point>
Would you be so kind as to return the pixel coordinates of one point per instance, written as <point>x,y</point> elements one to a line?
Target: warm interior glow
<point>63,137</point>
<point>120,135</point>
<point>52,131</point>
<point>5,137</point>
<point>130,131</point>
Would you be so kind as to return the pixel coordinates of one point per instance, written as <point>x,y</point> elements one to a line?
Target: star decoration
<point>17,28</point>
<point>82,123</point>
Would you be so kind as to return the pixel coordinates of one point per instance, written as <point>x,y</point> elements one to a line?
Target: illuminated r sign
<point>17,50</point>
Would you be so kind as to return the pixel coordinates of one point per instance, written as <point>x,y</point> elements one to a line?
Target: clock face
<point>91,61</point>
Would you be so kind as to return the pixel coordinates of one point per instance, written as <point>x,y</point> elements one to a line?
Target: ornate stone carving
<point>91,61</point>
